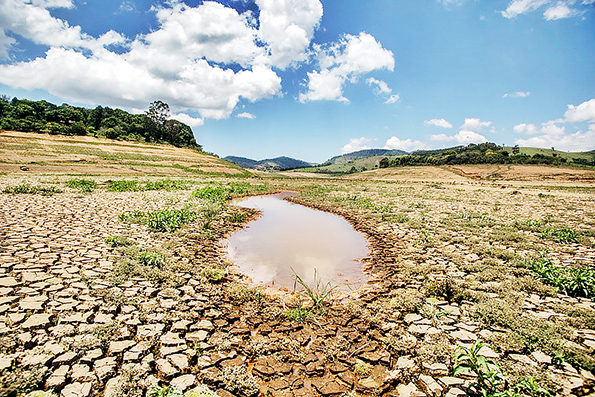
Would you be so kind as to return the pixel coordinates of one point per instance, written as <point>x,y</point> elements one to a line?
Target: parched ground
<point>450,265</point>
<point>60,154</point>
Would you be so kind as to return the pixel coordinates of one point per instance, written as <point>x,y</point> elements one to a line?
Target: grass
<point>562,235</point>
<point>577,280</point>
<point>140,186</point>
<point>162,220</point>
<point>29,189</point>
<point>82,185</point>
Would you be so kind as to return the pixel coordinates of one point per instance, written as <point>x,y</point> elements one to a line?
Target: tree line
<point>484,153</point>
<point>102,122</point>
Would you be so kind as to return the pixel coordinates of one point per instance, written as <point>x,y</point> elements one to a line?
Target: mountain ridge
<point>281,163</point>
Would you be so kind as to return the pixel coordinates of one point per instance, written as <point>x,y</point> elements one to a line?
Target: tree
<point>158,113</point>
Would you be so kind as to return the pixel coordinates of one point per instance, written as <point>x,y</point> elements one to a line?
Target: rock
<point>58,378</point>
<point>76,389</point>
<point>183,382</point>
<point>5,363</point>
<point>65,358</point>
<point>36,321</point>
<point>119,346</point>
<point>410,318</point>
<point>8,282</point>
<point>104,367</point>
<point>487,352</point>
<point>171,339</point>
<point>464,336</point>
<point>405,363</point>
<point>198,336</point>
<point>541,357</point>
<point>179,360</point>
<point>455,392</point>
<point>327,386</point>
<point>432,387</point>
<point>112,387</point>
<point>32,359</point>
<point>166,369</point>
<point>450,381</point>
<point>409,390</point>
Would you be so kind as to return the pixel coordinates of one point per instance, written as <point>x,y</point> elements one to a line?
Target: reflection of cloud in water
<point>292,236</point>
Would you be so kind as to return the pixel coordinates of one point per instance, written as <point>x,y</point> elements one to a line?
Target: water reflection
<point>290,236</point>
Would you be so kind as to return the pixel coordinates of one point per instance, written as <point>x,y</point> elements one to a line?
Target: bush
<point>83,185</point>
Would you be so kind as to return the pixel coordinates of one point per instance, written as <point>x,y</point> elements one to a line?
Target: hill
<point>276,164</point>
<point>345,158</point>
<point>26,152</point>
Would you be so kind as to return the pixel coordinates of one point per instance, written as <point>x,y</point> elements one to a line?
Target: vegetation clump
<point>29,189</point>
<point>577,280</point>
<point>82,185</point>
<point>162,220</point>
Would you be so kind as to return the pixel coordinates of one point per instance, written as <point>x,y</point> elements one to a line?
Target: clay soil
<point>448,266</point>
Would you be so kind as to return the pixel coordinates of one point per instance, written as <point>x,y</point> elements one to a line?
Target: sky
<point>312,79</point>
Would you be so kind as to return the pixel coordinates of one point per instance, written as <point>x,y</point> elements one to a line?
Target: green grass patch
<point>29,189</point>
<point>572,280</point>
<point>162,220</point>
<point>82,185</point>
<point>562,235</point>
<point>139,186</point>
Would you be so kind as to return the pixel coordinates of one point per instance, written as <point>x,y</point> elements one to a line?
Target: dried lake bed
<point>93,302</point>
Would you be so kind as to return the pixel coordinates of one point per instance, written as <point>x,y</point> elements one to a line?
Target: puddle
<point>290,236</point>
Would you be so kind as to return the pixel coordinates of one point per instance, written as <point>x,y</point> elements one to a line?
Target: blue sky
<point>312,79</point>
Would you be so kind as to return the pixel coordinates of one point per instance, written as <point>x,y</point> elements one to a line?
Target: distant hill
<point>277,164</point>
<point>360,154</point>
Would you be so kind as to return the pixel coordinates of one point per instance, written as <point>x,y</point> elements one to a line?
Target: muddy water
<point>289,236</point>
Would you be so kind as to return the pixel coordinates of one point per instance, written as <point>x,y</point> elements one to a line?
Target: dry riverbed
<point>95,303</point>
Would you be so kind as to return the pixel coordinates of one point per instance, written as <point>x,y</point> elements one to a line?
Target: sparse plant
<point>562,235</point>
<point>28,189</point>
<point>489,378</point>
<point>298,314</point>
<point>118,241</point>
<point>408,300</point>
<point>82,185</point>
<point>200,391</point>
<point>238,380</point>
<point>152,259</point>
<point>320,294</point>
<point>214,273</point>
<point>165,391</point>
<point>361,368</point>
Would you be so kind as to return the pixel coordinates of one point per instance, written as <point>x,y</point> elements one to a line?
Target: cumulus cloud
<point>356,144</point>
<point>438,123</point>
<point>529,129</point>
<point>345,61</point>
<point>246,115</point>
<point>187,119</point>
<point>475,125</point>
<point>583,112</point>
<point>407,145</point>
<point>461,138</point>
<point>380,87</point>
<point>518,94</point>
<point>287,26</point>
<point>551,134</point>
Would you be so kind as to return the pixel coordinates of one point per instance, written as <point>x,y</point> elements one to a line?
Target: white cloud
<point>380,87</point>
<point>553,135</point>
<point>345,61</point>
<point>558,11</point>
<point>517,7</point>
<point>439,123</point>
<point>392,99</point>
<point>462,137</point>
<point>176,63</point>
<point>518,94</point>
<point>576,142</point>
<point>246,115</point>
<point>529,129</point>
<point>407,145</point>
<point>356,144</point>
<point>186,119</point>
<point>583,112</point>
<point>287,26</point>
<point>474,125</point>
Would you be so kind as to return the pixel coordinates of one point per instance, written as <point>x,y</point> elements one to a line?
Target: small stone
<point>57,378</point>
<point>541,357</point>
<point>104,367</point>
<point>8,282</point>
<point>65,358</point>
<point>405,363</point>
<point>409,390</point>
<point>82,373</point>
<point>198,336</point>
<point>165,367</point>
<point>431,385</point>
<point>410,318</point>
<point>449,381</point>
<point>464,336</point>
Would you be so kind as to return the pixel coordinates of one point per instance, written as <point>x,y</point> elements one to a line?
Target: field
<point>111,284</point>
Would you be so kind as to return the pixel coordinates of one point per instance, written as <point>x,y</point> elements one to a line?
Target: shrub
<point>562,235</point>
<point>214,273</point>
<point>162,220</point>
<point>152,259</point>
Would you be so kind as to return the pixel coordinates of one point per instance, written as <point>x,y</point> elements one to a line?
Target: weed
<point>562,235</point>
<point>238,380</point>
<point>489,379</point>
<point>446,288</point>
<point>408,300</point>
<point>320,294</point>
<point>200,391</point>
<point>139,186</point>
<point>214,194</point>
<point>298,314</point>
<point>165,391</point>
<point>28,189</point>
<point>237,217</point>
<point>572,280</point>
<point>118,241</point>
<point>243,294</point>
<point>214,273</point>
<point>152,259</point>
<point>362,369</point>
<point>83,185</point>
<point>162,220</point>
